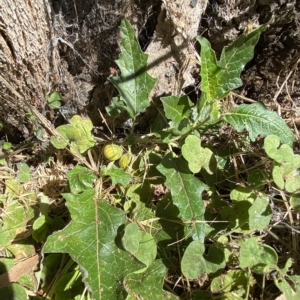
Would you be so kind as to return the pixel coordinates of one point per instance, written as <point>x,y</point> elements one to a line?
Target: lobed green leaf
<point>54,100</point>
<point>197,156</point>
<point>258,120</point>
<point>93,240</point>
<point>117,175</point>
<point>221,77</point>
<point>186,191</point>
<point>148,285</point>
<point>134,84</point>
<point>177,109</point>
<point>77,134</point>
<point>256,256</point>
<point>80,179</point>
<point>140,244</point>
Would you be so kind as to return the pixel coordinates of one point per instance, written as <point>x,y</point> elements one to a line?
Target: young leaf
<point>280,154</point>
<point>235,280</point>
<point>134,83</point>
<point>178,111</point>
<point>23,172</point>
<point>139,243</point>
<point>148,285</point>
<point>80,179</point>
<point>256,119</point>
<point>256,256</point>
<point>286,164</point>
<point>77,133</point>
<point>197,156</point>
<point>219,78</point>
<point>117,175</point>
<point>54,100</point>
<point>286,175</point>
<point>210,72</point>
<point>260,214</point>
<point>186,193</point>
<point>193,262</point>
<point>295,202</point>
<point>6,146</point>
<point>92,239</point>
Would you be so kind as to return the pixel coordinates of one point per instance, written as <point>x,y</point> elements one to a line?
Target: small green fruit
<point>112,152</point>
<point>124,161</point>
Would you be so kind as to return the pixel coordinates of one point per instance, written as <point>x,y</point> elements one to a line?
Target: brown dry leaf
<point>18,270</point>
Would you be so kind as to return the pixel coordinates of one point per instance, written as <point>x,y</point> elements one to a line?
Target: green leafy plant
<point>174,208</point>
<point>101,238</point>
<point>134,83</point>
<point>5,148</point>
<point>77,134</point>
<point>286,164</point>
<point>54,100</point>
<point>23,173</point>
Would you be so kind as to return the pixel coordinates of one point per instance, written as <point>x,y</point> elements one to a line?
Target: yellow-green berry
<point>112,152</point>
<point>124,161</point>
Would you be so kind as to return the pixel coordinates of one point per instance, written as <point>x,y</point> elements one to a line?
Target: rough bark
<point>64,46</point>
<point>26,61</point>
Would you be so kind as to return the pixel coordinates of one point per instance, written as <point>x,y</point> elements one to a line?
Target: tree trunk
<point>28,62</point>
<point>46,47</point>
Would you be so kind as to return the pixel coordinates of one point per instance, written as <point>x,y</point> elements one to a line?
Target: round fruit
<point>124,161</point>
<point>112,152</point>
